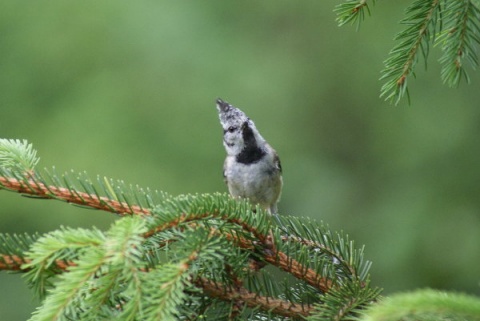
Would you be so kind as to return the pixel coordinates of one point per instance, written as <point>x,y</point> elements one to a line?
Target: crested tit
<point>252,168</point>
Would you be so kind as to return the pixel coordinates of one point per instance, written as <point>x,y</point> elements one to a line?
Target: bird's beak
<point>222,106</point>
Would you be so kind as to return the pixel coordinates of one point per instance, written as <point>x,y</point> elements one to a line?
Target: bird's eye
<point>231,129</point>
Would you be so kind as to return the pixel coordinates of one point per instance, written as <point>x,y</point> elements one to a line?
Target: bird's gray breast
<point>253,181</point>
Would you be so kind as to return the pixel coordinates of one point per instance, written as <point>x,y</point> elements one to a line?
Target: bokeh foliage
<point>127,90</point>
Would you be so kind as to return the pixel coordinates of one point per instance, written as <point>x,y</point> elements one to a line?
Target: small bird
<point>252,168</point>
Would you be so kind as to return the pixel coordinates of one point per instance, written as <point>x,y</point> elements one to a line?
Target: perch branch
<point>40,190</point>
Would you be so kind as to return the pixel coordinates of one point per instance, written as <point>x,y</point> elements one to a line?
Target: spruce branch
<point>460,35</point>
<point>12,262</point>
<point>14,248</point>
<point>189,256</point>
<point>214,289</point>
<point>243,296</point>
<point>35,186</point>
<point>61,302</point>
<point>453,25</point>
<point>279,259</point>
<point>269,253</point>
<point>421,21</point>
<point>164,299</point>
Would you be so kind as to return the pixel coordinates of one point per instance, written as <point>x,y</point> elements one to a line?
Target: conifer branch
<point>300,271</point>
<point>32,187</point>
<point>183,218</point>
<point>240,295</point>
<point>288,264</point>
<point>268,252</point>
<point>244,297</point>
<point>422,24</point>
<point>455,25</point>
<point>178,256</point>
<point>12,262</point>
<point>460,35</point>
<point>278,259</point>
<point>17,263</point>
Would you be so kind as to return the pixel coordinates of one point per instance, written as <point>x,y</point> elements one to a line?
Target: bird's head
<point>239,131</point>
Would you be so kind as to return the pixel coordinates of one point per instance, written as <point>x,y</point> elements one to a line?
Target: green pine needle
<point>352,11</point>
<point>166,292</point>
<point>17,155</point>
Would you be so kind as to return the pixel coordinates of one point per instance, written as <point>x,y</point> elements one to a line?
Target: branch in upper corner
<point>421,22</point>
<point>459,38</point>
<point>352,11</point>
<point>455,25</point>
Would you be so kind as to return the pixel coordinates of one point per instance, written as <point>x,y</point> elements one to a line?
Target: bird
<point>252,168</point>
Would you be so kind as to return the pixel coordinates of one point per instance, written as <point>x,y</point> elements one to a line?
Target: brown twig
<point>15,262</point>
<point>183,218</point>
<point>283,261</point>
<point>242,296</point>
<point>270,253</point>
<point>37,189</point>
<point>12,262</point>
<point>289,265</point>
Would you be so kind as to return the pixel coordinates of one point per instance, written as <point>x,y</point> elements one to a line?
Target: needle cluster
<point>454,26</point>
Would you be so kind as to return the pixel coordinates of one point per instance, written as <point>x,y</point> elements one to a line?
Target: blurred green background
<point>127,89</point>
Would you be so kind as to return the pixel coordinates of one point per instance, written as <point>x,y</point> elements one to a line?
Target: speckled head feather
<point>229,115</point>
<point>239,131</point>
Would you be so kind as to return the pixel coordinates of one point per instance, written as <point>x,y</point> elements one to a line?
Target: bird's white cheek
<point>232,144</point>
